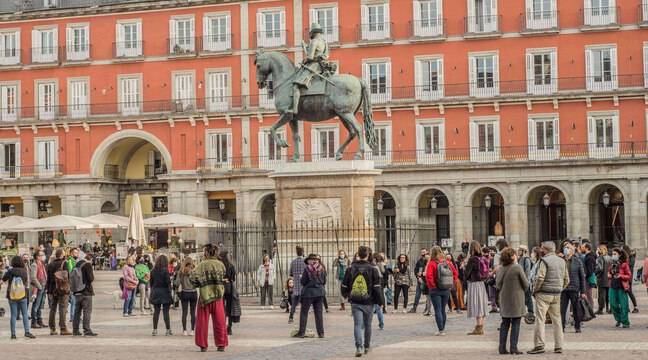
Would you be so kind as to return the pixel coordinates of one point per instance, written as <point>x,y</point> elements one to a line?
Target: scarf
<point>314,268</point>
<point>41,272</point>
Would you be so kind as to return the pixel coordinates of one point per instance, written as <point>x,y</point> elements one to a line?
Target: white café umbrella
<point>136,233</point>
<point>53,223</point>
<point>180,221</point>
<point>12,221</point>
<point>109,221</point>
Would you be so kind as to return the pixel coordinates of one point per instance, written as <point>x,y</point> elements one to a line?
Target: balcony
<point>111,171</point>
<point>599,18</point>
<point>539,22</point>
<point>216,43</point>
<point>182,46</point>
<point>152,171</point>
<point>32,171</point>
<point>10,57</point>
<point>77,53</point>
<point>331,34</point>
<point>128,49</point>
<point>377,32</point>
<point>427,29</point>
<point>45,55</point>
<point>482,26</point>
<point>270,39</point>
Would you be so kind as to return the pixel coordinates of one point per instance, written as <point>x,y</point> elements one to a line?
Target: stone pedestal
<point>339,192</point>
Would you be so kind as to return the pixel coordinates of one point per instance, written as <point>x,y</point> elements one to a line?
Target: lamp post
<point>606,199</point>
<point>488,202</point>
<point>380,205</point>
<point>434,202</point>
<point>221,208</point>
<point>12,209</point>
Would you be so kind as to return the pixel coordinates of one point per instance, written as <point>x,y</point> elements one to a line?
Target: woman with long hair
<point>632,257</point>
<point>161,293</point>
<point>340,266</point>
<point>18,299</point>
<point>456,293</point>
<point>477,297</point>
<point>313,280</point>
<point>402,281</point>
<point>620,279</point>
<point>437,292</point>
<point>188,294</point>
<point>130,285</point>
<point>265,281</point>
<point>230,280</point>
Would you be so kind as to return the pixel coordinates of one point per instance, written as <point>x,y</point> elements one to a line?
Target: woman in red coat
<point>620,277</point>
<point>438,293</point>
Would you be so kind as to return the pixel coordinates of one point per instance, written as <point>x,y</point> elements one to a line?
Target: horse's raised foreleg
<point>283,120</point>
<point>349,122</point>
<point>294,129</point>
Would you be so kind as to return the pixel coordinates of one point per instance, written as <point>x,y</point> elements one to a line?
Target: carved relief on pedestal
<point>317,209</point>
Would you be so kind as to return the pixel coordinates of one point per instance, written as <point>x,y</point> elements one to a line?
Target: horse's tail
<point>367,116</point>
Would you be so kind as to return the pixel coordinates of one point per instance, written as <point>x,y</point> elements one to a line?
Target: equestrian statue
<point>311,91</point>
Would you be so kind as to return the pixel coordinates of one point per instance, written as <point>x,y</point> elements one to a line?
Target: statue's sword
<point>318,74</point>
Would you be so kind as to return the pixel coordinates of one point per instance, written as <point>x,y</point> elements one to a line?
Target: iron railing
<point>10,6</point>
<point>45,55</point>
<point>10,57</point>
<point>31,171</point>
<point>111,171</point>
<point>490,89</point>
<point>78,52</point>
<point>216,42</point>
<point>435,155</point>
<point>152,171</point>
<point>248,243</point>
<point>428,28</point>
<point>539,21</point>
<point>376,31</point>
<point>600,16</point>
<point>270,39</point>
<point>128,49</point>
<point>484,24</point>
<point>182,45</point>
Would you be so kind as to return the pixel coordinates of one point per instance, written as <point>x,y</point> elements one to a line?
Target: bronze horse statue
<point>343,97</point>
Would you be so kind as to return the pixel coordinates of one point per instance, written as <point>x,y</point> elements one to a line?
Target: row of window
<point>485,146</point>
<point>272,32</point>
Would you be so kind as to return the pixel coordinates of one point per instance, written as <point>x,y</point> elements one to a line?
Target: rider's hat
<point>315,28</point>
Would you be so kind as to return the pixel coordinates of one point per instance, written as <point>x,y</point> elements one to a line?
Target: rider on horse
<point>317,53</point>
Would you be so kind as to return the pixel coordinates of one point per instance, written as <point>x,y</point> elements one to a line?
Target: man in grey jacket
<point>549,283</point>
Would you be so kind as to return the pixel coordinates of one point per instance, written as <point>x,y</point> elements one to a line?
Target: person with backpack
<point>81,279</point>
<point>361,286</point>
<point>340,266</point>
<point>130,285</point>
<point>58,289</point>
<point>477,271</point>
<point>143,274</point>
<point>17,294</point>
<point>70,263</point>
<point>161,298</point>
<point>440,276</point>
<point>512,283</point>
<point>39,274</point>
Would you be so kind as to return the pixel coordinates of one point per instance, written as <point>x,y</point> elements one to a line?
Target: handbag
<point>283,305</point>
<point>591,280</point>
<point>585,310</point>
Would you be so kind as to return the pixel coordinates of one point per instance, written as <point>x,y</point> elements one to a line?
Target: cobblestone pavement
<point>265,335</point>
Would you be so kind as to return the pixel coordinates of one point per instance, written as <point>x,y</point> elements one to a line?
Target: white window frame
<point>266,95</point>
<point>480,22</point>
<point>262,35</point>
<point>485,91</point>
<point>378,98</point>
<point>6,171</point>
<point>179,45</point>
<point>77,51</point>
<point>428,27</point>
<point>124,48</point>
<point>602,85</point>
<point>331,33</point>
<point>379,30</point>
<point>48,168</point>
<point>644,10</point>
<point>78,103</point>
<point>542,89</point>
<point>383,155</point>
<point>540,19</point>
<point>10,111</point>
<point>10,55</point>
<point>595,15</point>
<point>476,155</point>
<point>183,87</point>
<point>38,54</point>
<point>280,155</point>
<point>543,154</point>
<point>434,156</point>
<point>46,111</point>
<point>423,92</point>
<point>645,63</point>
<point>126,106</point>
<point>220,101</point>
<point>315,130</point>
<point>603,152</point>
<point>214,42</point>
<point>215,160</point>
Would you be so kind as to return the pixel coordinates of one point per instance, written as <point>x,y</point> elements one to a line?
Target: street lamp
<point>12,209</point>
<point>434,202</point>
<point>606,199</point>
<point>221,208</point>
<point>546,200</point>
<point>380,204</point>
<point>48,207</point>
<point>488,201</point>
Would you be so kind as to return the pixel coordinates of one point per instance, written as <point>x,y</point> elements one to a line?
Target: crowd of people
<point>544,285</point>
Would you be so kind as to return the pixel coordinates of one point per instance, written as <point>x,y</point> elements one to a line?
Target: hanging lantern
<point>546,200</point>
<point>606,199</point>
<point>488,202</point>
<point>434,202</point>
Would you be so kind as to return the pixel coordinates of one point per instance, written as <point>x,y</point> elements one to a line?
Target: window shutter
<point>493,8</point>
<point>471,10</point>
<point>313,17</point>
<point>442,137</point>
<point>589,68</point>
<point>206,33</point>
<point>531,134</point>
<point>140,43</point>
<point>388,78</point>
<point>18,41</point>
<point>615,130</point>
<point>440,72</point>
<point>418,76</point>
<point>41,153</point>
<point>591,137</point>
<point>439,8</point>
<point>314,141</point>
<point>260,28</point>
<point>2,47</point>
<point>263,147</point>
<point>192,34</point>
<point>230,155</point>
<point>69,41</point>
<point>473,135</point>
<point>496,135</point>
<point>119,37</point>
<point>556,134</point>
<point>2,158</point>
<point>282,30</point>
<point>55,39</point>
<point>529,71</point>
<point>554,70</point>
<point>172,34</point>
<point>420,143</point>
<point>472,76</point>
<point>335,20</point>
<point>18,156</point>
<point>366,73</point>
<point>496,73</point>
<point>364,16</point>
<point>529,9</point>
<point>645,63</point>
<point>388,140</point>
<point>228,31</point>
<point>36,41</point>
<point>613,64</point>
